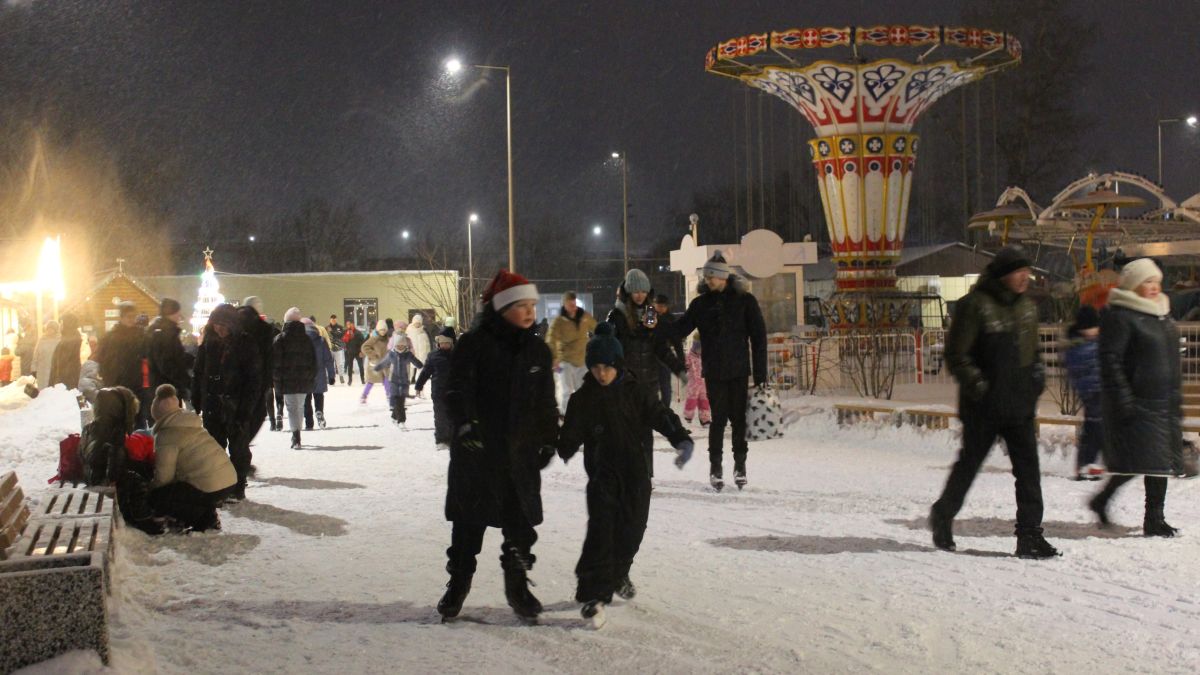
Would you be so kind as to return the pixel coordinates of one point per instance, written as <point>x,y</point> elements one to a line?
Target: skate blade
<point>600,618</point>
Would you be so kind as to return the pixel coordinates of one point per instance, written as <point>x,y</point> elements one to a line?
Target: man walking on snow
<point>992,351</point>
<point>568,337</point>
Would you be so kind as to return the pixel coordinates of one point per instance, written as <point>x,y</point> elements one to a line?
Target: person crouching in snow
<point>399,358</point>
<point>697,395</point>
<point>501,403</point>
<point>610,416</point>
<point>1083,369</point>
<point>437,370</point>
<point>192,473</point>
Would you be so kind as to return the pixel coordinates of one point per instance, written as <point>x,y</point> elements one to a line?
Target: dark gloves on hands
<point>468,438</point>
<point>683,452</point>
<point>977,390</point>
<point>546,454</point>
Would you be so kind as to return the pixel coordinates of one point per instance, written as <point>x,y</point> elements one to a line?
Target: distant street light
<point>404,234</point>
<point>251,238</point>
<point>624,160</point>
<point>597,230</point>
<point>474,218</point>
<point>454,66</point>
<point>1191,121</point>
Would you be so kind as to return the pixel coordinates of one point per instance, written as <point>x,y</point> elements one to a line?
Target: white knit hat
<point>1138,272</point>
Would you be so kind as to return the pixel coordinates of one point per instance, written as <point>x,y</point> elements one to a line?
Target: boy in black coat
<point>437,369</point>
<point>610,416</point>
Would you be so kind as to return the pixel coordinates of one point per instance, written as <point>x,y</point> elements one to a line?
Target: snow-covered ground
<point>823,564</point>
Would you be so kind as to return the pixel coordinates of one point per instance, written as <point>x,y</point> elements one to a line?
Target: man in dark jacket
<point>732,329</point>
<point>169,363</point>
<point>437,370</point>
<point>262,335</point>
<point>994,354</point>
<point>643,342</point>
<point>336,333</point>
<point>354,339</point>
<point>65,365</point>
<point>123,349</point>
<point>501,400</point>
<point>294,368</point>
<point>227,389</point>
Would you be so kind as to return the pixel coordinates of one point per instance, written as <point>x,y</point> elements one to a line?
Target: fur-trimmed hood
<point>738,284</point>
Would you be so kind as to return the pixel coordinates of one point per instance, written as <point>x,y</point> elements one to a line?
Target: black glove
<point>468,438</point>
<point>546,454</point>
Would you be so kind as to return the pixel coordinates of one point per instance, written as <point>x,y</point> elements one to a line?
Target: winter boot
<point>1033,546</point>
<point>1158,528</point>
<point>295,440</point>
<point>456,593</point>
<point>715,475</point>
<point>943,533</point>
<point>1099,506</point>
<point>517,583</point>
<point>594,611</point>
<point>739,471</point>
<point>321,419</point>
<point>625,588</point>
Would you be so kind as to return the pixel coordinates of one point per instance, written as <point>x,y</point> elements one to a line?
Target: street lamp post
<point>453,66</point>
<point>624,206</point>
<point>471,258</point>
<point>1191,121</point>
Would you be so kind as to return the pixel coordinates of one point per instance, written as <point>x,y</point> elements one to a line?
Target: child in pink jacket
<point>697,393</point>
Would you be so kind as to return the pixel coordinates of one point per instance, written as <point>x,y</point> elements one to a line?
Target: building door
<point>362,312</point>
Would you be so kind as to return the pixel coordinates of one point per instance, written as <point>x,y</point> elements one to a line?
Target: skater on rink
<point>993,352</point>
<point>567,337</point>
<point>396,364</point>
<point>295,369</point>
<point>437,371</point>
<point>1083,368</point>
<point>501,401</point>
<point>610,415</point>
<point>1140,371</point>
<point>375,348</point>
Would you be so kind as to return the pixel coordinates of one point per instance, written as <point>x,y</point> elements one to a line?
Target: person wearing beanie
<point>1140,397</point>
<point>567,337</point>
<point>610,416</point>
<point>68,354</point>
<point>294,370</point>
<point>500,397</point>
<point>1083,370</point>
<point>994,353</point>
<point>192,473</point>
<point>375,348</point>
<point>227,388</point>
<point>735,350</point>
<point>437,371</point>
<point>645,345</point>
<point>166,358</point>
<point>255,302</point>
<point>398,362</point>
<point>124,349</point>
<point>326,376</point>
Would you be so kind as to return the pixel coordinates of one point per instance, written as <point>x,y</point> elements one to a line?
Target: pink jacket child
<point>697,393</point>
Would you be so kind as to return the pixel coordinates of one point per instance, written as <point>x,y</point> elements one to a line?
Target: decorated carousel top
<point>879,77</point>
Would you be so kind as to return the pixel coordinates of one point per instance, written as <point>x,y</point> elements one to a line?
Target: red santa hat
<point>506,288</point>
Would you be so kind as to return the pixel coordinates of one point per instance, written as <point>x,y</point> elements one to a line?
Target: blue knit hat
<point>604,347</point>
<point>636,281</point>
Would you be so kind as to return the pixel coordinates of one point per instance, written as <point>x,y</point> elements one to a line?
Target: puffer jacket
<point>1141,399</point>
<point>568,337</point>
<point>732,328</point>
<point>169,363</point>
<point>90,383</point>
<point>644,347</point>
<point>992,350</point>
<point>185,453</point>
<point>295,360</point>
<point>326,371</point>
<point>375,348</point>
<point>396,363</point>
<point>1083,369</point>
<point>122,350</point>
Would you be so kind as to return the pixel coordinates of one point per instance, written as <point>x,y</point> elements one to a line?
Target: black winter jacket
<point>169,363</point>
<point>227,381</point>
<point>644,347</point>
<point>611,423</point>
<point>122,349</point>
<point>501,382</point>
<point>294,360</point>
<point>262,335</point>
<point>731,329</point>
<point>336,332</point>
<point>1141,399</point>
<point>437,370</point>
<point>354,345</point>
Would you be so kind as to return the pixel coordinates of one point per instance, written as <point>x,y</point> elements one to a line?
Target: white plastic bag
<point>764,415</point>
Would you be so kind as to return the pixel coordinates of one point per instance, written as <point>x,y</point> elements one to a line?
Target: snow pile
<point>33,430</point>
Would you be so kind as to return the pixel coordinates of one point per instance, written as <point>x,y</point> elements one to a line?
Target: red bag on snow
<point>140,447</point>
<point>70,469</point>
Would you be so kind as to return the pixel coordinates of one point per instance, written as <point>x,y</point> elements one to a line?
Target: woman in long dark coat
<point>501,404</point>
<point>1142,404</point>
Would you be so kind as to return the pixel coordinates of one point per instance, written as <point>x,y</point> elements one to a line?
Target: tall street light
<point>624,160</point>
<point>1191,121</point>
<point>471,257</point>
<point>453,66</point>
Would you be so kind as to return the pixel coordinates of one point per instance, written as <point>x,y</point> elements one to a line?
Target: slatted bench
<point>929,418</point>
<point>848,413</point>
<point>53,573</point>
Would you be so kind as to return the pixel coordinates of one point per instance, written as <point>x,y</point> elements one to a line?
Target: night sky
<point>254,107</point>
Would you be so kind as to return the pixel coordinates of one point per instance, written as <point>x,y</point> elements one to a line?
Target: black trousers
<point>396,402</point>
<point>466,538</point>
<point>350,369</point>
<point>616,524</point>
<point>728,401</point>
<point>979,434</point>
<point>313,399</point>
<point>1156,493</point>
<point>443,428</point>
<point>188,504</point>
<point>237,442</point>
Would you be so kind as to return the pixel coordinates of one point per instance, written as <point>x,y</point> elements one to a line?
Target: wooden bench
<point>53,573</point>
<point>848,413</point>
<point>929,418</point>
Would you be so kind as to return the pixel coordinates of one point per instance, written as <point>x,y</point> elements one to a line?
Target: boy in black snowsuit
<point>437,369</point>
<point>610,416</point>
<point>398,359</point>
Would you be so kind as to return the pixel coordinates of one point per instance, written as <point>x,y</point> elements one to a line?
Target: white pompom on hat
<point>508,287</point>
<point>1138,272</point>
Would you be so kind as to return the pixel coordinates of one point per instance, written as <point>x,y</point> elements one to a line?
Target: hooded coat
<point>122,350</point>
<point>644,347</point>
<point>169,363</point>
<point>294,360</point>
<point>227,383</point>
<point>732,328</point>
<point>43,357</point>
<point>375,348</point>
<point>1141,399</point>
<point>418,338</point>
<point>326,371</point>
<point>501,383</point>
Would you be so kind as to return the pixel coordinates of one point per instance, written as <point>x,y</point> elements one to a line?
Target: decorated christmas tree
<point>209,296</point>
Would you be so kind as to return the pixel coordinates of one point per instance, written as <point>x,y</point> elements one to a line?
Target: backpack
<point>69,468</point>
<point>764,415</point>
<point>102,444</point>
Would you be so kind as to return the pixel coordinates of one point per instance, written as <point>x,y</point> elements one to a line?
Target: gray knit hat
<point>716,266</point>
<point>636,281</point>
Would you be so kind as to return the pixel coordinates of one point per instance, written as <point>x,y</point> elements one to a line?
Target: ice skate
<point>625,589</point>
<point>943,535</point>
<point>1032,546</point>
<point>321,419</point>
<point>403,426</point>
<point>1158,528</point>
<point>516,586</point>
<point>739,472</point>
<point>594,611</point>
<point>443,446</point>
<point>456,593</point>
<point>716,481</point>
<point>295,440</point>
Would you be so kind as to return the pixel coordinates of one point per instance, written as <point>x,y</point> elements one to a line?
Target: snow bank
<point>32,431</point>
